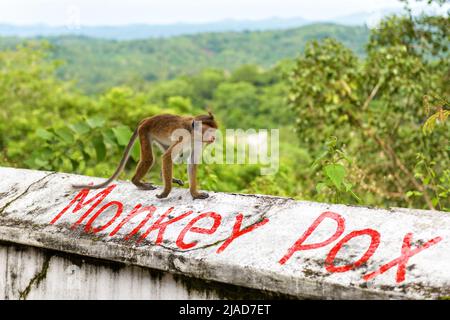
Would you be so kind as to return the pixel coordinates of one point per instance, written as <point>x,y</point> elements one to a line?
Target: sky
<point>119,12</point>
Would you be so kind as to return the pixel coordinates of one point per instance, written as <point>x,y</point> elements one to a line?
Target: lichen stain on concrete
<point>36,280</point>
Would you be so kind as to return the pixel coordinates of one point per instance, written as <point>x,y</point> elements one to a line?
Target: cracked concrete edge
<point>279,200</point>
<point>166,261</point>
<point>25,192</point>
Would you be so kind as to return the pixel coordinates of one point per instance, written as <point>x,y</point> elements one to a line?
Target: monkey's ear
<point>211,115</point>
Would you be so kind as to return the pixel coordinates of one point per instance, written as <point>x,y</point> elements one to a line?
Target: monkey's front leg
<point>192,173</point>
<point>174,180</point>
<point>167,167</point>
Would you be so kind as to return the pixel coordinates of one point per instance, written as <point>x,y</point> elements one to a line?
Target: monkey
<point>159,129</point>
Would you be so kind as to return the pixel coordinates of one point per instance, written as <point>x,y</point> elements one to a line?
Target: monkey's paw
<point>146,186</point>
<point>201,195</point>
<point>162,195</point>
<point>178,181</point>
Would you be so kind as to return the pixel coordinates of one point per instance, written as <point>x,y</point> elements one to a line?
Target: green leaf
<point>109,137</point>
<point>135,152</point>
<point>40,163</point>
<point>320,186</point>
<point>336,173</point>
<point>122,134</point>
<point>82,149</point>
<point>100,148</point>
<point>95,122</point>
<point>65,134</point>
<point>30,162</point>
<point>44,134</point>
<point>80,127</point>
<point>435,201</point>
<point>413,194</point>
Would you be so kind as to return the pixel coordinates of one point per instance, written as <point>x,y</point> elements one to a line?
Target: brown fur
<point>159,129</point>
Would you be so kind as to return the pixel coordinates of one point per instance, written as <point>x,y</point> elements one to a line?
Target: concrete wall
<point>30,273</point>
<point>33,273</point>
<point>64,243</point>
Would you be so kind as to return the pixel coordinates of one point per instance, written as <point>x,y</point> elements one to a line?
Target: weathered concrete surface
<point>30,273</point>
<point>33,273</point>
<point>413,245</point>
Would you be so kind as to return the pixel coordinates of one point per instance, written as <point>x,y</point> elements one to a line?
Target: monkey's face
<point>208,127</point>
<point>209,134</point>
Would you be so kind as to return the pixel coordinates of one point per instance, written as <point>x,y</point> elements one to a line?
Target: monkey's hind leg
<point>167,168</point>
<point>145,162</point>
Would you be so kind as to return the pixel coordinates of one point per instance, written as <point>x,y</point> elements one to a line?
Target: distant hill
<point>143,31</point>
<point>97,64</point>
<point>365,17</point>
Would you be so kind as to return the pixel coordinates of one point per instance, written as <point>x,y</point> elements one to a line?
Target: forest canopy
<point>98,64</point>
<point>363,114</point>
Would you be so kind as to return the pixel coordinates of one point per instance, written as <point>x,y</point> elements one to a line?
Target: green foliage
<point>373,106</point>
<point>332,174</point>
<point>58,128</point>
<point>386,150</point>
<point>426,171</point>
<point>81,146</point>
<point>99,64</point>
<point>322,86</point>
<point>440,115</point>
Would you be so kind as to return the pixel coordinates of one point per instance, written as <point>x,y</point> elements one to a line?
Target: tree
<point>374,106</point>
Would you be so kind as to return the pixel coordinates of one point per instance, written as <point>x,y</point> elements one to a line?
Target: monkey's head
<point>209,127</point>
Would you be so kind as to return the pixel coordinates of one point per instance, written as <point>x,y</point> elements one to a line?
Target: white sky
<point>116,12</point>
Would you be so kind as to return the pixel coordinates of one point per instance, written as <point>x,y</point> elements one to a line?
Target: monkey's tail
<point>121,166</point>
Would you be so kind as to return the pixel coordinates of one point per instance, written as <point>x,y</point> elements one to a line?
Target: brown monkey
<point>160,129</point>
